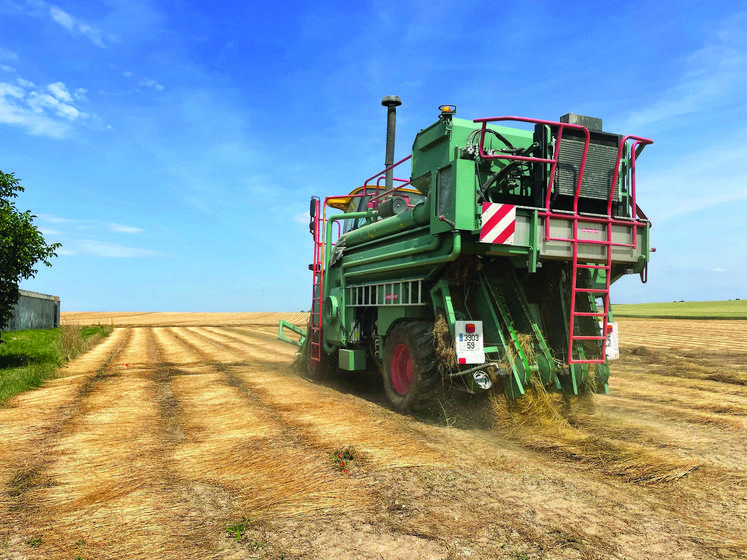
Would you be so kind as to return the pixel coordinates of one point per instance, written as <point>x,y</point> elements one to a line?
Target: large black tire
<point>410,369</point>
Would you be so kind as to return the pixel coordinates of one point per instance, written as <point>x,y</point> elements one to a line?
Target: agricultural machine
<point>491,264</point>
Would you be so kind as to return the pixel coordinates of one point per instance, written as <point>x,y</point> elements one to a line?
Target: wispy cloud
<point>52,219</point>
<point>108,250</point>
<point>682,208</point>
<point>88,237</point>
<point>702,182</point>
<point>709,78</point>
<point>146,83</point>
<point>42,10</point>
<point>88,224</point>
<point>76,25</point>
<point>7,55</point>
<point>46,111</point>
<point>119,228</point>
<point>152,84</point>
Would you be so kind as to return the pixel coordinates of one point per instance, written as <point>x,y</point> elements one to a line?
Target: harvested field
<point>189,436</point>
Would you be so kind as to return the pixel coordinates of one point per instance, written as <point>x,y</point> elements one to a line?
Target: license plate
<point>612,346</point>
<point>468,335</point>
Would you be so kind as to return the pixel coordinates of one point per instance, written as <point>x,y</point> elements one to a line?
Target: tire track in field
<point>30,417</point>
<point>723,335</point>
<point>31,423</point>
<point>643,374</point>
<point>113,496</point>
<point>161,455</point>
<point>700,403</point>
<point>657,458</point>
<point>324,418</point>
<point>647,396</point>
<point>237,446</point>
<point>225,430</point>
<point>266,378</point>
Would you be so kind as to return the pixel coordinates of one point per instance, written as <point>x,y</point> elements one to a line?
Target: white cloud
<point>148,83</point>
<point>75,25</point>
<point>65,252</point>
<point>119,228</point>
<point>68,231</point>
<point>59,90</point>
<point>63,18</point>
<point>10,90</point>
<point>718,270</point>
<point>55,219</point>
<point>110,250</point>
<point>39,101</point>
<point>47,111</point>
<point>152,84</point>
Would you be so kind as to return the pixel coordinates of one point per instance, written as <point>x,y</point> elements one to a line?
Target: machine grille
<point>598,172</point>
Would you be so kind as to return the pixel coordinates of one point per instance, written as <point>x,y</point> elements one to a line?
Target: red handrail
<point>633,149</point>
<point>365,183</point>
<point>556,151</point>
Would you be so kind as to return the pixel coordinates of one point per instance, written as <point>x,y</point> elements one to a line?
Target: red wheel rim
<point>400,368</point>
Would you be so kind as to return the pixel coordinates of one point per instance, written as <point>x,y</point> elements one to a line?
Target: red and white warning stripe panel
<point>498,223</point>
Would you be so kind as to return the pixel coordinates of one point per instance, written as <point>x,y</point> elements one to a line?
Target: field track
<point>189,436</point>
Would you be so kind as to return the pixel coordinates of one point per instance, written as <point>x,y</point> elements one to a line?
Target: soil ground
<point>190,436</point>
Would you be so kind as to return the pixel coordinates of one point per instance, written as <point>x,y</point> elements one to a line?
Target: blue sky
<point>172,147</point>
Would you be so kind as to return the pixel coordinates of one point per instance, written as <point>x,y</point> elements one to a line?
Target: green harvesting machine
<point>490,265</point>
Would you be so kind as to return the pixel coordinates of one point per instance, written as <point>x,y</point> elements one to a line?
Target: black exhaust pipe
<point>391,102</point>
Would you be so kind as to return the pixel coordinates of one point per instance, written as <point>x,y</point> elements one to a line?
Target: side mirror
<point>312,216</point>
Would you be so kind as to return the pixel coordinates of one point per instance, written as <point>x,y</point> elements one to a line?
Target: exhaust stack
<point>391,102</point>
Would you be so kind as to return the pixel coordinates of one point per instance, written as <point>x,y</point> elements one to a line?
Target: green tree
<point>22,246</point>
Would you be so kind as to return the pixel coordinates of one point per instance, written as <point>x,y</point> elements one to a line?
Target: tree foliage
<point>22,246</point>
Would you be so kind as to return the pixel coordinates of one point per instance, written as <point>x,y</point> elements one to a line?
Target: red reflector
<point>609,329</point>
<point>470,327</point>
<point>462,360</point>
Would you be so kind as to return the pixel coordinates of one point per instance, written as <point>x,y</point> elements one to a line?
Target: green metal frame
<point>282,325</point>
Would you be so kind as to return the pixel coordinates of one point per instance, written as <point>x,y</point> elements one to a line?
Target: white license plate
<point>612,347</point>
<point>468,335</point>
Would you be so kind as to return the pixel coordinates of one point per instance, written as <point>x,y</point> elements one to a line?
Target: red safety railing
<point>319,234</point>
<point>317,292</point>
<point>607,221</point>
<point>381,176</point>
<point>553,161</point>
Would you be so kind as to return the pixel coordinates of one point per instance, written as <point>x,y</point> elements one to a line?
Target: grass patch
<point>732,309</point>
<point>28,358</point>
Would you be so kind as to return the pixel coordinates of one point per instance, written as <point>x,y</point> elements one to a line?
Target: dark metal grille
<point>598,172</point>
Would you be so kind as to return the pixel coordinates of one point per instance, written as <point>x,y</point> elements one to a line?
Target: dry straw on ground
<point>540,421</point>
